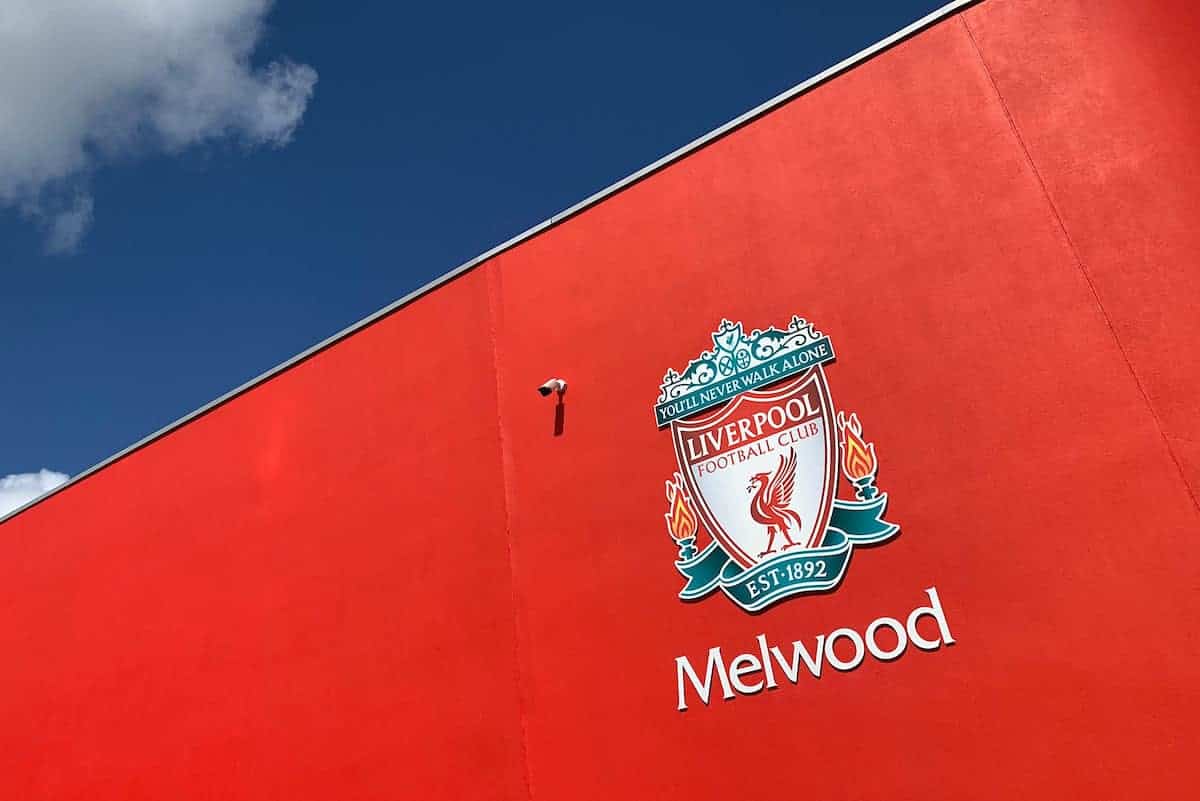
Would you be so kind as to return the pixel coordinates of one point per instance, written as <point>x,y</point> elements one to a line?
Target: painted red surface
<point>355,582</point>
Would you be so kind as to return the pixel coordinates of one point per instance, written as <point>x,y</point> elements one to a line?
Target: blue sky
<point>432,133</point>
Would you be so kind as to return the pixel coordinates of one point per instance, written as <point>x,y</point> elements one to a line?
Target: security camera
<point>553,385</point>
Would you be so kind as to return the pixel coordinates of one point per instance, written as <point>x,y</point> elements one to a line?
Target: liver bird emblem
<point>772,496</point>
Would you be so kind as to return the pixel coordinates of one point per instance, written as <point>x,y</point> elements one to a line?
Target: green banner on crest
<point>791,573</point>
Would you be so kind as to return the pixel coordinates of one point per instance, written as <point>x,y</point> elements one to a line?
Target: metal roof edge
<point>789,94</point>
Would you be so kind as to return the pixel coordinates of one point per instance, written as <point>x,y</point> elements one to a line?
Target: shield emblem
<point>762,467</point>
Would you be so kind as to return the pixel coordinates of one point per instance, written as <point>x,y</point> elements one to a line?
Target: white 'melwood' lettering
<point>744,665</point>
<point>873,645</point>
<point>734,679</point>
<point>934,610</point>
<point>715,663</point>
<point>859,651</point>
<point>765,656</point>
<point>792,669</point>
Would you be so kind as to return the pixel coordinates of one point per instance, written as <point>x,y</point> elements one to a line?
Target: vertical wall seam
<point>493,298</point>
<point>1091,284</point>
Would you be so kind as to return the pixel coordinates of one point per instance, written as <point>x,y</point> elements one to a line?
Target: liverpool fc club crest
<point>759,447</point>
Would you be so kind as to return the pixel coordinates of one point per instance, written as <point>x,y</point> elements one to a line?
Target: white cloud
<point>83,82</point>
<point>20,488</point>
<point>68,225</point>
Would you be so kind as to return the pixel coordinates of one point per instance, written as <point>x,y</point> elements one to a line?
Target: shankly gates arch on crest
<point>347,581</point>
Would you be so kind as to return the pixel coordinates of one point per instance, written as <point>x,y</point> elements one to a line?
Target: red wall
<point>301,595</point>
<point>357,581</point>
